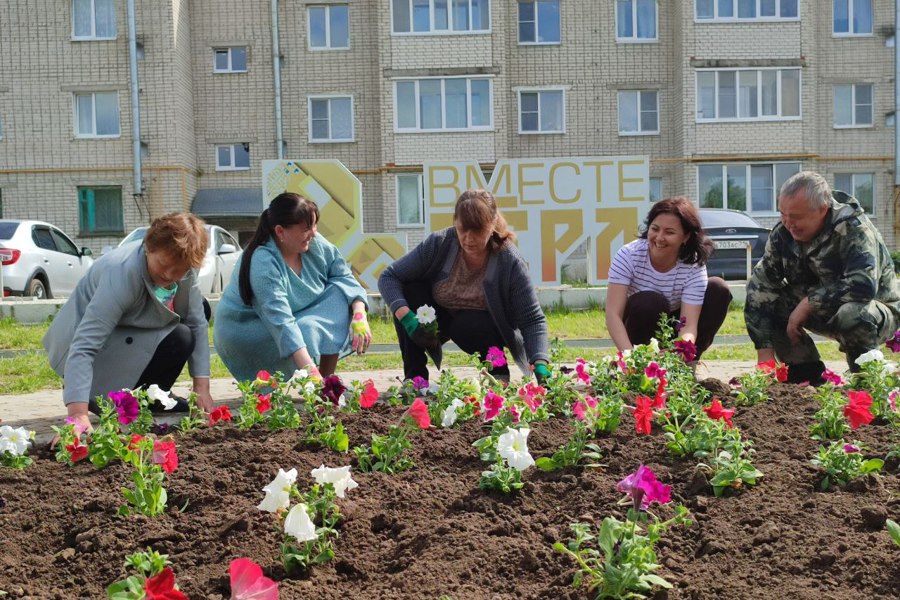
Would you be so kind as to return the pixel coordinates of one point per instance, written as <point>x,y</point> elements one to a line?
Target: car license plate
<point>731,244</point>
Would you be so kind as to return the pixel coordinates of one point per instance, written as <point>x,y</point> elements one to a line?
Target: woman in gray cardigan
<point>135,318</point>
<point>474,277</point>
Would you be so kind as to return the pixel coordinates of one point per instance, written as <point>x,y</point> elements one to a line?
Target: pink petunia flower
<point>492,405</point>
<point>643,488</point>
<point>832,377</point>
<point>249,583</point>
<point>581,371</point>
<point>532,395</point>
<point>654,370</point>
<point>496,357</point>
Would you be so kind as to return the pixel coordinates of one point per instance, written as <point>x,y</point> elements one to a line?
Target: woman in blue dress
<point>293,302</point>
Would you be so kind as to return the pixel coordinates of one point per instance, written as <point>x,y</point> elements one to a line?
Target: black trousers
<point>473,331</point>
<point>643,309</point>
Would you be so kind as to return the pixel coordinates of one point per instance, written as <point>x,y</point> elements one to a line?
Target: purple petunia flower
<point>333,388</point>
<point>894,342</point>
<point>851,448</point>
<point>643,488</point>
<point>126,405</point>
<point>419,383</point>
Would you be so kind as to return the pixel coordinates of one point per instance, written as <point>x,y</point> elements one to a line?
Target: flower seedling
<point>573,452</point>
<point>511,458</point>
<point>155,580</point>
<point>14,444</point>
<point>151,460</point>
<point>879,378</point>
<point>729,465</point>
<point>195,417</point>
<point>843,462</point>
<point>427,318</point>
<point>893,530</point>
<point>830,423</point>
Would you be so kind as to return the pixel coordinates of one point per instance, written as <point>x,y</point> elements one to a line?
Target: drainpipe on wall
<point>135,102</point>
<point>276,66</point>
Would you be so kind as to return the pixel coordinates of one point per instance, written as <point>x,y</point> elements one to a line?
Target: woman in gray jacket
<point>135,318</point>
<point>474,277</point>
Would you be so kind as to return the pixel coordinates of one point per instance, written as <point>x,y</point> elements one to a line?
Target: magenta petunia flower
<point>419,383</point>
<point>492,405</point>
<point>496,356</point>
<point>654,370</point>
<point>894,342</point>
<point>851,449</point>
<point>832,377</point>
<point>686,349</point>
<point>643,488</point>
<point>126,405</point>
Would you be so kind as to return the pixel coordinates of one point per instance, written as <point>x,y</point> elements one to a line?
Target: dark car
<point>731,231</point>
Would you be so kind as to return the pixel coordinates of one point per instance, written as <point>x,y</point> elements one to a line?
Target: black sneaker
<point>181,406</point>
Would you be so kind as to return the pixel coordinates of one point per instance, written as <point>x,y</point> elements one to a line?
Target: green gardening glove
<point>541,372</point>
<point>410,323</point>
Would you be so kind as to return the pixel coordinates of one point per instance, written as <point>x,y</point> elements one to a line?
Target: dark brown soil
<point>430,531</point>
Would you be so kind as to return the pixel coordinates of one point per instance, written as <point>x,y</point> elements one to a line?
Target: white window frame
<point>421,189</point>
<point>93,134</point>
<point>760,117</point>
<point>229,69</point>
<point>853,105</point>
<point>852,33</point>
<point>748,189</point>
<point>537,27</point>
<point>93,35</point>
<point>639,131</point>
<point>330,139</point>
<point>736,19</point>
<point>450,21</point>
<point>328,46</point>
<point>469,127</point>
<point>230,167</point>
<point>634,25</point>
<point>852,191</point>
<point>539,91</point>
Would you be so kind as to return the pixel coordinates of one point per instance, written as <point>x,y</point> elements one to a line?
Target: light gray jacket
<point>510,296</point>
<point>106,333</point>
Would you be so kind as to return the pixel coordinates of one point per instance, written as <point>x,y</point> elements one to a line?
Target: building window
<point>410,200</point>
<point>93,20</point>
<point>542,111</point>
<point>233,157</point>
<point>330,119</point>
<point>638,112</point>
<point>852,17</point>
<point>749,187</point>
<point>230,60</point>
<point>636,20</point>
<point>329,27</point>
<point>656,189</point>
<point>746,10</point>
<point>97,115</point>
<point>1,128</point>
<point>440,16</point>
<point>859,185</point>
<point>748,95</point>
<point>853,105</point>
<point>539,22</point>
<point>455,103</point>
<point>100,210</point>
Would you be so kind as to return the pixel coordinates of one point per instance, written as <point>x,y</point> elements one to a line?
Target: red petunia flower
<point>717,412</point>
<point>77,451</point>
<point>857,410</point>
<point>643,415</point>
<point>164,455</point>
<point>133,442</point>
<point>369,395</point>
<point>219,413</point>
<point>659,400</point>
<point>162,587</point>
<point>263,403</point>
<point>419,413</point>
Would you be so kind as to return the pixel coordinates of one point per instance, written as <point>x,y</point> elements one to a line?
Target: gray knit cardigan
<point>510,297</point>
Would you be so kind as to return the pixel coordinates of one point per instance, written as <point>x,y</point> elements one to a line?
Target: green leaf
<point>657,580</point>
<point>871,465</point>
<point>546,463</point>
<point>894,531</point>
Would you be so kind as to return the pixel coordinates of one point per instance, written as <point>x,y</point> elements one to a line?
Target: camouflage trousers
<point>858,327</point>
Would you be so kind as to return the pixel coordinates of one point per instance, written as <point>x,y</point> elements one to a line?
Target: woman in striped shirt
<point>664,272</point>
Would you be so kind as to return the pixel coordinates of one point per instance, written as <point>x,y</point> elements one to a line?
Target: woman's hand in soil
<point>204,399</point>
<point>78,416</point>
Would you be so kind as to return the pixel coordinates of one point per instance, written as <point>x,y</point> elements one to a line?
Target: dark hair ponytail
<point>286,209</point>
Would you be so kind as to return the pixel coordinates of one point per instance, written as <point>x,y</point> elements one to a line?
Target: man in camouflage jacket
<point>826,269</point>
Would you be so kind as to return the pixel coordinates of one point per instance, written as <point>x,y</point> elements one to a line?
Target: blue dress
<point>289,311</point>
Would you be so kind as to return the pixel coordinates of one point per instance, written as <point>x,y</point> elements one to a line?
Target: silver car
<point>221,255</point>
<point>39,260</point>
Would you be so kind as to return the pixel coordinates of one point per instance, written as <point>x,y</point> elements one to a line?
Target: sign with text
<point>554,205</point>
<point>338,193</point>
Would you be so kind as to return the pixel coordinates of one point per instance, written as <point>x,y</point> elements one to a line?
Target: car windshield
<point>726,218</point>
<point>7,230</point>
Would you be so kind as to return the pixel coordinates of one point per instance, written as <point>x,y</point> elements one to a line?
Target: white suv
<point>39,260</point>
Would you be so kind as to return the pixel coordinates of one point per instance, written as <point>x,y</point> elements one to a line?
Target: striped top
<point>683,283</point>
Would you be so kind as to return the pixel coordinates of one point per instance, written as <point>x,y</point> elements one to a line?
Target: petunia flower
<point>134,441</point>
<point>418,411</point>
<point>496,357</point>
<point>249,583</point>
<point>512,445</point>
<point>643,415</point>
<point>164,454</point>
<point>126,405</point>
<point>894,342</point>
<point>263,379</point>
<point>581,371</point>
<point>278,491</point>
<point>369,395</point>
<point>220,413</point>
<point>717,412</point>
<point>15,441</point>
<point>858,410</point>
<point>580,408</point>
<point>643,488</point>
<point>654,370</point>
<point>77,427</point>
<point>333,388</point>
<point>852,449</point>
<point>155,393</point>
<point>338,477</point>
<point>532,395</point>
<point>77,451</point>
<point>771,366</point>
<point>686,349</point>
<point>832,377</point>
<point>653,344</point>
<point>449,416</point>
<point>162,587</point>
<point>425,314</point>
<point>263,403</point>
<point>492,405</point>
<point>892,398</point>
<point>870,356</point>
<point>419,383</point>
<point>299,525</point>
<point>659,400</point>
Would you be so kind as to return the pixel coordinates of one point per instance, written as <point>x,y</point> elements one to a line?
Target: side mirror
<point>85,251</point>
<point>227,249</point>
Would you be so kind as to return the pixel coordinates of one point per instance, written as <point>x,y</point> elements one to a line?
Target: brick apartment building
<point>726,97</point>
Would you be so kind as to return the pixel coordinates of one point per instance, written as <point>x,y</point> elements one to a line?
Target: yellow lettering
<point>620,221</point>
<point>551,244</point>
<point>501,187</point>
<point>623,180</point>
<point>598,165</point>
<point>523,183</point>
<point>475,178</point>
<point>434,185</point>
<point>553,194</point>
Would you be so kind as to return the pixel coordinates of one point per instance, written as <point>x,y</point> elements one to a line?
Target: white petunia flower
<point>278,492</point>
<point>300,374</point>
<point>342,401</point>
<point>513,446</point>
<point>871,355</point>
<point>298,524</point>
<point>15,441</point>
<point>448,417</point>
<point>425,315</point>
<point>155,393</point>
<point>339,478</point>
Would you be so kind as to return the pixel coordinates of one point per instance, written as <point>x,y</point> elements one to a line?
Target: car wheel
<point>37,289</point>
